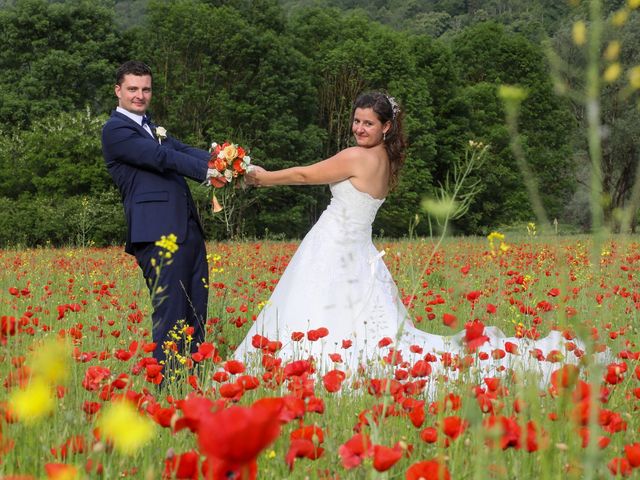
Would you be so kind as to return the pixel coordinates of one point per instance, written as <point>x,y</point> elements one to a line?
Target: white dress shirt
<point>136,118</point>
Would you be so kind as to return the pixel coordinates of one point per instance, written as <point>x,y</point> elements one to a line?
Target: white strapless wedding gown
<point>338,280</point>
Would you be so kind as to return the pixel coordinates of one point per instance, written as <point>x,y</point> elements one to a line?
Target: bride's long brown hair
<point>387,110</point>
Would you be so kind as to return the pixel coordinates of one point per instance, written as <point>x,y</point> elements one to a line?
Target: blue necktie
<point>146,124</point>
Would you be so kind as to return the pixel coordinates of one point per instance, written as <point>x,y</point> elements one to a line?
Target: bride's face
<point>367,127</point>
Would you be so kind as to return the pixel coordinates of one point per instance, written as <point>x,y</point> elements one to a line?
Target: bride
<point>336,301</point>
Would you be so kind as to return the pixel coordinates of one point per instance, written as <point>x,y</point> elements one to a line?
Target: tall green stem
<point>592,92</point>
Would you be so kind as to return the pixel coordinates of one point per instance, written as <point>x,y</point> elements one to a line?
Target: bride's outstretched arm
<point>345,164</point>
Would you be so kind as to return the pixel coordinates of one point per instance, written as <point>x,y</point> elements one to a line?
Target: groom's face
<point>134,93</point>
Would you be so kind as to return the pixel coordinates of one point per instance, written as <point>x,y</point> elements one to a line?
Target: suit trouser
<point>181,290</point>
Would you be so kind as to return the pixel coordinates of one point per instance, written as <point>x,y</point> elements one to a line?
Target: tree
<point>488,56</point>
<point>56,57</point>
<point>242,81</point>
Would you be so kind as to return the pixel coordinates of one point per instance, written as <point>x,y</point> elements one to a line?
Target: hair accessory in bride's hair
<point>394,105</point>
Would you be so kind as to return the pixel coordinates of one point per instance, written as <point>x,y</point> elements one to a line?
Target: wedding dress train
<point>338,281</point>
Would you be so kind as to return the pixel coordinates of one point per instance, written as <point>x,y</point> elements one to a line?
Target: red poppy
<point>429,435</point>
<point>305,443</point>
<point>564,378</point>
<point>421,368</point>
<point>335,357</point>
<point>220,376</point>
<point>511,347</point>
<point>474,337</point>
<point>428,470</point>
<point>94,377</point>
<point>384,457</point>
<point>473,295</point>
<point>297,336</point>
<point>317,334</point>
<point>615,373</point>
<point>632,452</point>
<point>7,326</point>
<point>417,414</point>
<point>620,466</point>
<point>164,416</point>
<point>234,366</point>
<point>206,350</point>
<point>248,382</point>
<point>74,444</point>
<point>194,408</point>
<point>354,450</point>
<point>453,426</point>
<point>449,320</point>
<point>233,437</point>
<point>297,368</point>
<point>182,467</point>
<point>90,408</point>
<point>231,390</point>
<point>332,380</point>
<point>60,470</point>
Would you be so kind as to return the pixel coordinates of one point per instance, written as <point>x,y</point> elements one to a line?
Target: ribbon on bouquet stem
<point>215,204</point>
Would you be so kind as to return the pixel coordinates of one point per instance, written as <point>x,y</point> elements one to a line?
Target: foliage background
<point>279,76</point>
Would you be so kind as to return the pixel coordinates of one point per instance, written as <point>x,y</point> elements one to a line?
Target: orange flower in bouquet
<point>228,163</point>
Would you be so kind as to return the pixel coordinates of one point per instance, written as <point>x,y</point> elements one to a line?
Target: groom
<point>149,169</point>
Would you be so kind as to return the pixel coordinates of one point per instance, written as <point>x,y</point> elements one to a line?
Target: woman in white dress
<point>337,292</point>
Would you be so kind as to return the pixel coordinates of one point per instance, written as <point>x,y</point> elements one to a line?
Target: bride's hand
<point>252,177</point>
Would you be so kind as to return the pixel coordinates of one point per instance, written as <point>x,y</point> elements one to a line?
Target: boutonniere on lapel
<point>160,133</point>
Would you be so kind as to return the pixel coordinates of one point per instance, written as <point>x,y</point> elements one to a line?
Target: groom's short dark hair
<point>132,67</point>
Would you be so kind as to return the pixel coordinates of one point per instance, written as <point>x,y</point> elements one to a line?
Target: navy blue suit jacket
<point>150,177</point>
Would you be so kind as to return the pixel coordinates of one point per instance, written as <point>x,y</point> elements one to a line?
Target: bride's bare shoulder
<point>359,152</point>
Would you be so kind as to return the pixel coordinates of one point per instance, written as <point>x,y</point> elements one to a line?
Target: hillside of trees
<point>279,78</point>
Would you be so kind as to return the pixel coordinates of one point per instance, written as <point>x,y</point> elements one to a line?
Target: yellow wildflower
<point>613,50</point>
<point>531,229</point>
<point>612,72</point>
<point>33,402</point>
<point>125,427</point>
<point>168,242</point>
<point>50,361</point>
<point>634,77</point>
<point>495,236</point>
<point>633,4</point>
<point>579,33</point>
<point>620,17</point>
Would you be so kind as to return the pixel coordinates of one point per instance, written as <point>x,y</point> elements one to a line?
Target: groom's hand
<point>252,177</point>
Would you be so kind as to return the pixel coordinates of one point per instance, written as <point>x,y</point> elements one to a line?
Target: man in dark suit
<point>149,169</point>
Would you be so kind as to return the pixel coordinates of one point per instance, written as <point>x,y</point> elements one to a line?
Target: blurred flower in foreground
<point>32,403</point>
<point>612,72</point>
<point>579,33</point>
<point>440,208</point>
<point>61,471</point>
<point>233,437</point>
<point>50,361</point>
<point>125,427</point>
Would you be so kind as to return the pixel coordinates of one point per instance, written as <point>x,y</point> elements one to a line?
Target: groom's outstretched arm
<point>122,143</point>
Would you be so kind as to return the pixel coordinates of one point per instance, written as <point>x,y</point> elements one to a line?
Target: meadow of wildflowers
<point>80,396</point>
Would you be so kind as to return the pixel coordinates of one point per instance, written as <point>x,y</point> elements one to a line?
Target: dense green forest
<point>279,77</point>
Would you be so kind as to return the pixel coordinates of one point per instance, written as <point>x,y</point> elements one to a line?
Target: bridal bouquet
<point>228,163</point>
